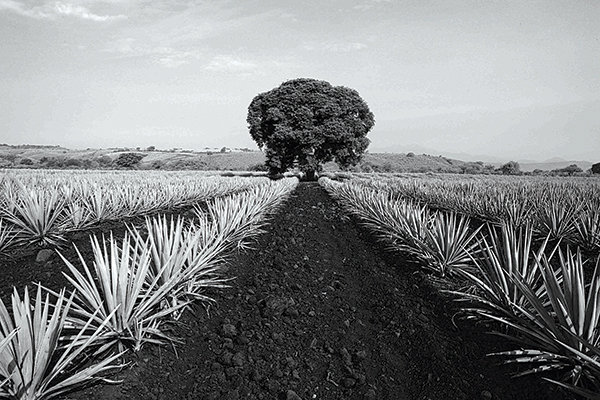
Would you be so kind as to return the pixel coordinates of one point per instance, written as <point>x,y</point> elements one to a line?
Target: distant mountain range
<point>418,149</point>
<point>525,164</point>
<point>529,135</point>
<point>552,164</point>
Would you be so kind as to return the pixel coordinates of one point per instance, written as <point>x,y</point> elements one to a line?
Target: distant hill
<point>55,157</point>
<point>550,165</point>
<point>402,148</point>
<point>58,157</point>
<point>410,162</point>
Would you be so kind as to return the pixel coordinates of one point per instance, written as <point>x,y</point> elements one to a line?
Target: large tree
<point>307,122</point>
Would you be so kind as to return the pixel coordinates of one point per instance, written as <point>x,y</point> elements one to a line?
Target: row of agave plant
<point>40,207</point>
<point>565,210</point>
<point>533,294</point>
<point>53,342</point>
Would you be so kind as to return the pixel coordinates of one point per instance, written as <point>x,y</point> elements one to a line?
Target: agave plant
<point>239,217</point>
<point>517,213</point>
<point>188,255</point>
<point>398,223</point>
<point>556,219</point>
<point>414,221</point>
<point>9,190</point>
<point>100,205</point>
<point>38,361</point>
<point>588,230</point>
<point>501,256</point>
<point>443,240</point>
<point>121,296</point>
<point>38,217</point>
<point>561,333</point>
<point>234,218</point>
<point>204,263</point>
<point>448,243</point>
<point>77,215</point>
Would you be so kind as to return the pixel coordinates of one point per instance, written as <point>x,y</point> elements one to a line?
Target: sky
<point>485,78</point>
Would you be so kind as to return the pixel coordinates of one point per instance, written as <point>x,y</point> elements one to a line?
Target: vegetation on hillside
<point>52,157</point>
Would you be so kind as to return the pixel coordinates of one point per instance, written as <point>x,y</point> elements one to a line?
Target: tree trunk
<point>310,175</point>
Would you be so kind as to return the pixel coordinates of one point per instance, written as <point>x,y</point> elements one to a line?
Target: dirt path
<point>319,311</point>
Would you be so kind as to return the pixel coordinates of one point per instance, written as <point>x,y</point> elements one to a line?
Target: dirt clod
<point>486,395</point>
<point>229,330</point>
<point>349,382</point>
<point>345,357</point>
<point>44,255</point>
<point>291,395</point>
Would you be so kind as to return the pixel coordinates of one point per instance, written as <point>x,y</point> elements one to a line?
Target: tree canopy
<point>569,170</point>
<point>307,122</point>
<point>510,168</point>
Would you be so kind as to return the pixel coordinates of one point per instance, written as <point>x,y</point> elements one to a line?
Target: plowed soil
<point>318,310</point>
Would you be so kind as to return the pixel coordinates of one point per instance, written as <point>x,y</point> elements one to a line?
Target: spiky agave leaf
<point>121,291</point>
<point>38,362</point>
<point>78,215</point>
<point>517,212</point>
<point>588,229</point>
<point>38,216</point>
<point>500,256</point>
<point>101,205</point>
<point>6,236</point>
<point>448,243</point>
<point>179,253</point>
<point>590,374</point>
<point>565,326</point>
<point>4,342</point>
<point>400,224</point>
<point>239,217</point>
<point>586,393</point>
<point>557,219</point>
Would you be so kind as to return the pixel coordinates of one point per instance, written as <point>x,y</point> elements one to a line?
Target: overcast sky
<point>510,79</point>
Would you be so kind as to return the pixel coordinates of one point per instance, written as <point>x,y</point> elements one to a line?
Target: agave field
<point>302,304</point>
<point>40,207</point>
<point>54,341</point>
<point>524,252</point>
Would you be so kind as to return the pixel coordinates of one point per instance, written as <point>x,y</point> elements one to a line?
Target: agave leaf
<point>588,394</point>
<point>38,216</point>
<point>123,294</point>
<point>34,363</point>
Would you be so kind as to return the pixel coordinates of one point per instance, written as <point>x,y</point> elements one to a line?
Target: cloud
<point>163,55</point>
<point>195,98</point>
<point>82,12</point>
<point>52,10</point>
<point>335,46</point>
<point>227,63</point>
<point>367,5</point>
<point>174,58</point>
